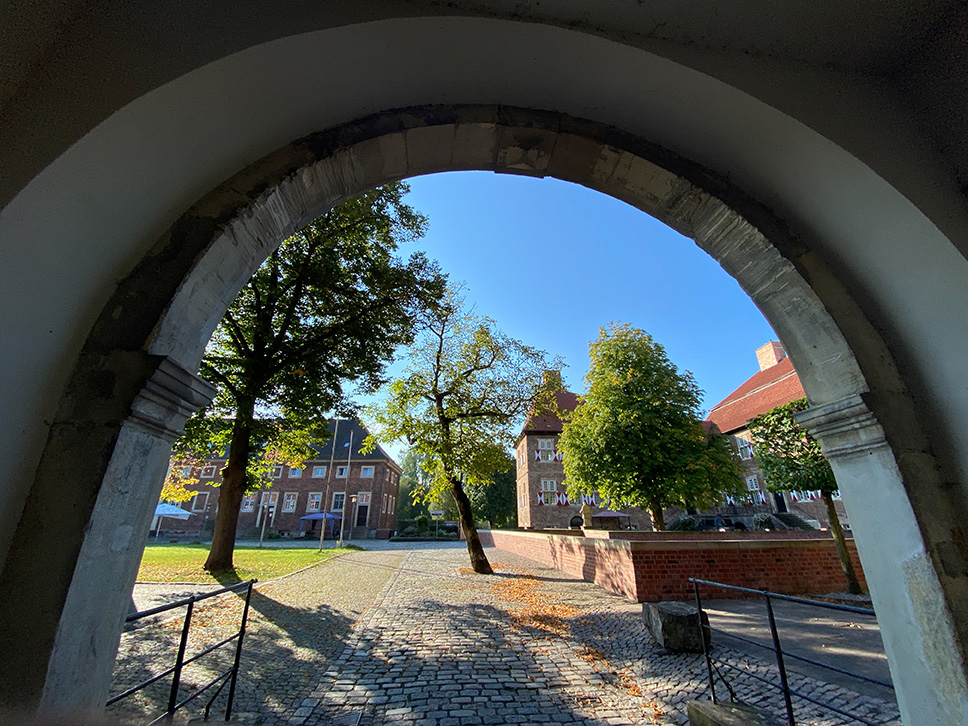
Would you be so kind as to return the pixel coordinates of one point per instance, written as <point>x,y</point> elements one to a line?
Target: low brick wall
<point>656,566</point>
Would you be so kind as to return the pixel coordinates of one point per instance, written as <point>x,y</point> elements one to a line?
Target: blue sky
<point>552,262</point>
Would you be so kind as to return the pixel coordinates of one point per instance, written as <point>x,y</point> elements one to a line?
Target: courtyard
<point>408,635</point>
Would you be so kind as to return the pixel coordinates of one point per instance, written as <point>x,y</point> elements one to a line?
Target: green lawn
<point>183,563</point>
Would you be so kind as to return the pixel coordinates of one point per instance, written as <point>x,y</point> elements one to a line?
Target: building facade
<point>542,495</point>
<point>775,384</point>
<point>350,492</point>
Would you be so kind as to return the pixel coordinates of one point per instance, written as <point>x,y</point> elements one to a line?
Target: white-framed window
<point>314,502</point>
<point>342,471</point>
<point>338,498</point>
<point>366,472</point>
<point>275,472</point>
<point>319,471</point>
<point>248,503</point>
<point>546,450</point>
<point>208,471</point>
<point>267,507</point>
<point>295,473</point>
<point>835,494</point>
<point>200,502</point>
<point>752,483</point>
<point>289,501</point>
<point>549,485</point>
<point>185,472</point>
<point>745,449</point>
<point>363,498</point>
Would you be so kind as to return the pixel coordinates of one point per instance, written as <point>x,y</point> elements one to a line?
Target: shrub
<point>411,531</point>
<point>762,520</point>
<point>423,522</point>
<point>685,523</point>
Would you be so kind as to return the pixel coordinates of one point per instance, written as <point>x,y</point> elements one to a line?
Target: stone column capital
<point>844,428</point>
<point>169,397</point>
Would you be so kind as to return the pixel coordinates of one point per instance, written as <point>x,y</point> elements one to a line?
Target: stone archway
<point>133,385</point>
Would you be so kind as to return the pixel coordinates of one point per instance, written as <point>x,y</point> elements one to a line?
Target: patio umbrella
<point>321,515</point>
<point>610,513</point>
<point>171,511</point>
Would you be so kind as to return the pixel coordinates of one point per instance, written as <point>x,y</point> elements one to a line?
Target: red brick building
<point>543,500</point>
<point>773,385</point>
<point>326,484</point>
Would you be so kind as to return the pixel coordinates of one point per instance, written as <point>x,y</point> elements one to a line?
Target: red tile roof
<point>767,389</point>
<point>548,422</point>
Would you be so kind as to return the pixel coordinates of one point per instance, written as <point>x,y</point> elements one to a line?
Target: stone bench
<point>675,625</point>
<point>707,713</point>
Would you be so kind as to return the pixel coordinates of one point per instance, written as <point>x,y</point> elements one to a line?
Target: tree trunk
<point>231,492</point>
<point>474,548</point>
<point>853,586</point>
<point>655,510</point>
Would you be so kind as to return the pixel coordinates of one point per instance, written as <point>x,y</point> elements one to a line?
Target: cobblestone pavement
<point>412,638</point>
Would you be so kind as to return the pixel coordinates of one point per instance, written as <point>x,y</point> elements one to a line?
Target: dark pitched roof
<point>337,446</point>
<point>763,391</point>
<point>548,422</point>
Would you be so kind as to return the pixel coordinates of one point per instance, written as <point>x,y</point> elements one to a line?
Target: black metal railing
<point>230,676</point>
<point>779,653</point>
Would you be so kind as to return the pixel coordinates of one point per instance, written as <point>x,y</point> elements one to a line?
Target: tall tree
<point>636,435</point>
<point>496,499</point>
<point>412,482</point>
<point>466,387</point>
<point>329,306</point>
<point>791,460</point>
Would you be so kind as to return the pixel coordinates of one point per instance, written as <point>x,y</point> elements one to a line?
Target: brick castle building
<point>543,501</point>
<point>775,384</point>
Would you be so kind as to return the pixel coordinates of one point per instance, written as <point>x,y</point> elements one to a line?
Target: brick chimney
<point>770,354</point>
<point>552,378</point>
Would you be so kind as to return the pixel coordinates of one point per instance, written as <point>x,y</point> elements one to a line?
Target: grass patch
<point>183,563</point>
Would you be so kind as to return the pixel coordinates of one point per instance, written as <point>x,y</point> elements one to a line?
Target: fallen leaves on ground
<point>536,609</point>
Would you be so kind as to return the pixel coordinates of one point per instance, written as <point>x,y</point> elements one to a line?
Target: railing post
<point>179,660</point>
<point>238,651</point>
<point>779,660</point>
<point>705,647</point>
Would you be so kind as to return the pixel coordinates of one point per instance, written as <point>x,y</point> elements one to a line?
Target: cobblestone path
<point>411,638</point>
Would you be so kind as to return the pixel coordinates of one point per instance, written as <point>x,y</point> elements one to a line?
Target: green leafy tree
<point>466,387</point>
<point>410,504</point>
<point>636,435</point>
<point>496,500</point>
<point>329,306</point>
<point>791,460</point>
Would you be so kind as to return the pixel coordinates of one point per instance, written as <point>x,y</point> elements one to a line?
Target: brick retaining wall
<point>654,566</point>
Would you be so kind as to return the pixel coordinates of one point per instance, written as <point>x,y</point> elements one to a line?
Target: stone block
<point>707,713</point>
<point>675,625</point>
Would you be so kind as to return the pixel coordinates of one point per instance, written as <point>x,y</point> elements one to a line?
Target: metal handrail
<point>230,676</point>
<point>777,649</point>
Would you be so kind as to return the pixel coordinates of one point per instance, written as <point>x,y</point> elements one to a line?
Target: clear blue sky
<point>552,262</point>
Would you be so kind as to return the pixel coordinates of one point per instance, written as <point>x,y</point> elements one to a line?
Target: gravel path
<point>411,637</point>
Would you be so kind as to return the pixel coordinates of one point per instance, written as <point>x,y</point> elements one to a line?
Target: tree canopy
<point>467,386</point>
<point>789,457</point>
<point>792,460</point>
<point>496,500</point>
<point>328,307</point>
<point>636,435</point>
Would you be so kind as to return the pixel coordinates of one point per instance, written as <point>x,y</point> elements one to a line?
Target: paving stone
<point>379,638</point>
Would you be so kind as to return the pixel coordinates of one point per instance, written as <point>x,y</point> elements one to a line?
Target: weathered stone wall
<point>652,566</point>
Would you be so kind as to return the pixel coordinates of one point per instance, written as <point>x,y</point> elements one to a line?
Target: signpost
<point>437,514</point>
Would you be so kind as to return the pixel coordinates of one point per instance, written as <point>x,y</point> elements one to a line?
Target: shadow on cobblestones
<point>397,638</point>
<point>295,639</point>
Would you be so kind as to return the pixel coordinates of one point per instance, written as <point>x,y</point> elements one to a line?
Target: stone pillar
<point>919,634</point>
<point>74,638</point>
<point>79,673</point>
